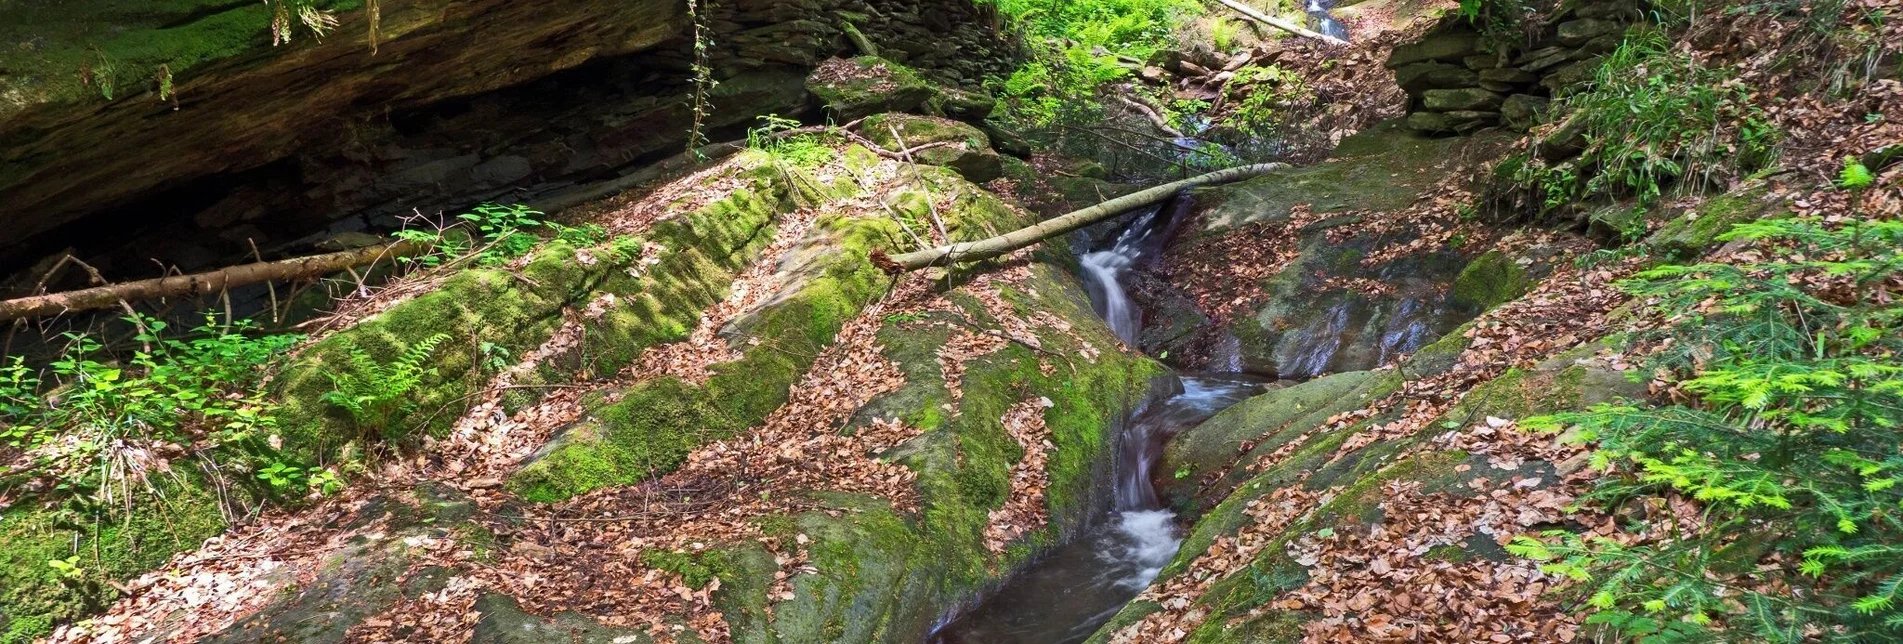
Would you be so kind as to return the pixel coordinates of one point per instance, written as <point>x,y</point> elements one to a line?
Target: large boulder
<point>855,88</point>
<point>1451,100</point>
<point>1419,77</point>
<point>954,145</point>
<point>1448,45</point>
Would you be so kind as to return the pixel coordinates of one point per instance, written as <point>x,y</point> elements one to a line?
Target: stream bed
<point>1068,593</point>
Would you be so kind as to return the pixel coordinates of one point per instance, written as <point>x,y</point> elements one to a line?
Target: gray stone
<point>1601,45</point>
<point>504,622</point>
<point>966,105</point>
<point>1522,111</point>
<point>1448,100</point>
<point>1491,86</point>
<point>958,146</point>
<point>1478,62</point>
<point>1459,121</point>
<point>1562,78</point>
<point>1508,75</point>
<point>853,89</point>
<point>1574,33</point>
<point>1007,141</point>
<point>1616,9</point>
<point>1447,46</point>
<point>1420,77</point>
<point>1566,140</point>
<point>1540,59</point>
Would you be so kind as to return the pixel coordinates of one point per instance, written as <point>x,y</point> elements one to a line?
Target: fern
<point>376,395</point>
<point>1791,448</point>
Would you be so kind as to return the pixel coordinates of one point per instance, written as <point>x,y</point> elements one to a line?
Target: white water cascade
<point>1074,589</point>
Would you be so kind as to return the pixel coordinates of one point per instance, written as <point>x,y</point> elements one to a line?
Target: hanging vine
<point>704,81</point>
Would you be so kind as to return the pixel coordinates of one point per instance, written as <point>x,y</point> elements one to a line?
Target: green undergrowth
<point>1075,47</point>
<point>1785,440</point>
<point>1654,119</point>
<point>117,443</point>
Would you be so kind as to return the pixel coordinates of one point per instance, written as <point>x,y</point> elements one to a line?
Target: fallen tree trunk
<point>1284,25</point>
<point>1002,244</point>
<point>201,284</point>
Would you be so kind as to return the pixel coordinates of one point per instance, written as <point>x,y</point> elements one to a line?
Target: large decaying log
<point>201,284</point>
<point>1002,244</point>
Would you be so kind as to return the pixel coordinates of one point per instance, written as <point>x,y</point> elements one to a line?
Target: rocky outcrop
<point>1459,80</point>
<point>209,139</point>
<point>1356,278</point>
<point>874,554</point>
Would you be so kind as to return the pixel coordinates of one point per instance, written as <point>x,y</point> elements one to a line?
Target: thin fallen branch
<point>1284,25</point>
<point>110,295</point>
<point>1156,119</point>
<point>1023,237</point>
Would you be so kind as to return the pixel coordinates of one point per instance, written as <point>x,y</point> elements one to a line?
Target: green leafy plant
<point>504,231</point>
<point>587,234</point>
<point>495,357</point>
<point>68,569</point>
<point>1076,46</point>
<point>1262,96</point>
<point>280,475</point>
<point>800,150</point>
<point>1655,117</point>
<point>376,394</point>
<point>1788,444</point>
<point>89,423</point>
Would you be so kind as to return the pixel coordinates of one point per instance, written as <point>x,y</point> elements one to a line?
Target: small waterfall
<point>1074,589</point>
<point>1103,271</point>
<point>1325,23</point>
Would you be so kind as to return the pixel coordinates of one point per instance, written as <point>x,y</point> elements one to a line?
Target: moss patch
<point>518,311</point>
<point>1489,281</point>
<point>34,596</point>
<point>853,89</point>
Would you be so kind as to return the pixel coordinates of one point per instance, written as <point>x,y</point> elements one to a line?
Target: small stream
<point>1068,593</point>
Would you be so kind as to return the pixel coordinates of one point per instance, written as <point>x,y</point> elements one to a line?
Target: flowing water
<point>1068,593</point>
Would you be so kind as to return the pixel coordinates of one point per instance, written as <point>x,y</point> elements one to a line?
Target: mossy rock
<point>855,88</point>
<point>35,597</point>
<point>1695,232</point>
<point>518,311</point>
<point>956,145</point>
<point>1489,281</point>
<point>364,579</point>
<point>880,576</point>
<point>965,105</point>
<point>658,423</point>
<point>504,622</point>
<point>1385,167</point>
<point>1308,325</point>
<point>1264,422</point>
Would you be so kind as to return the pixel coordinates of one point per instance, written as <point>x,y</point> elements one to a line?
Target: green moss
<point>1449,553</point>
<point>34,598</point>
<point>653,429</point>
<point>860,87</point>
<point>1695,232</point>
<point>700,253</point>
<point>1489,281</point>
